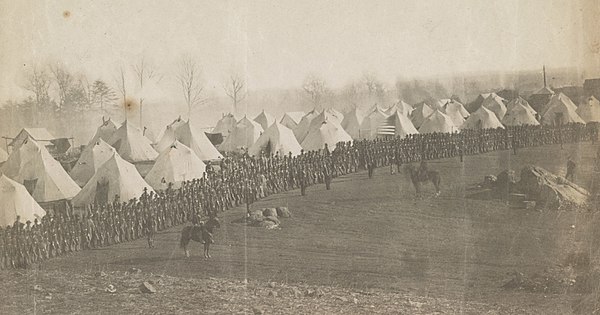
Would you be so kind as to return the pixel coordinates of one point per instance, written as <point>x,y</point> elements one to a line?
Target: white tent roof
<point>92,157</point>
<point>225,125</point>
<point>402,126</point>
<point>3,155</point>
<point>104,131</point>
<point>333,113</point>
<point>291,119</point>
<point>264,119</point>
<point>117,177</point>
<point>437,122</point>
<point>277,138</point>
<point>32,165</point>
<point>175,165</point>
<point>520,100</point>
<point>37,134</point>
<point>483,118</point>
<point>16,201</point>
<point>372,123</point>
<point>351,123</point>
<point>456,111</point>
<point>519,114</point>
<point>561,105</point>
<point>495,103</point>
<point>304,125</point>
<point>244,135</point>
<point>401,106</point>
<point>131,144</point>
<point>419,113</point>
<point>183,132</point>
<point>330,133</point>
<point>589,110</point>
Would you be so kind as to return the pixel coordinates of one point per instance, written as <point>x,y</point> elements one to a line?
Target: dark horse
<point>418,180</point>
<point>202,232</point>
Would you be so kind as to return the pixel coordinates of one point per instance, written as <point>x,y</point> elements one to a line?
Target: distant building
<point>591,87</point>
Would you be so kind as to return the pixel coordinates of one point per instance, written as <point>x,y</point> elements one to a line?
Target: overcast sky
<point>277,43</point>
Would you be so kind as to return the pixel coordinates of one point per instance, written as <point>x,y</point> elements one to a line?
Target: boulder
<point>283,212</point>
<point>549,190</point>
<point>270,212</point>
<point>273,219</point>
<point>265,224</point>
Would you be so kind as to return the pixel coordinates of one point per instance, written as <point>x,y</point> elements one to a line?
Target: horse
<point>202,232</point>
<point>417,180</point>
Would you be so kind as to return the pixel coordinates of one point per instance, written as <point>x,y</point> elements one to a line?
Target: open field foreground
<point>367,246</point>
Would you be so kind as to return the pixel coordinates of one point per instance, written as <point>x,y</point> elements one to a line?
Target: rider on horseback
<point>422,172</point>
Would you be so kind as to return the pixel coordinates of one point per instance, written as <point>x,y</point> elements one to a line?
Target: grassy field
<point>369,237</point>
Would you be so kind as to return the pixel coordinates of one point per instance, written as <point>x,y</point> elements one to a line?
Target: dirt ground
<point>367,246</point>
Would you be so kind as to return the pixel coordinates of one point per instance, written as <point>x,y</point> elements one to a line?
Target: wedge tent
<point>175,165</point>
<point>519,114</point>
<point>32,166</point>
<point>496,104</point>
<point>243,136</point>
<point>225,125</point>
<point>131,144</point>
<point>304,125</point>
<point>456,111</point>
<point>182,131</point>
<point>104,131</point>
<point>278,139</point>
<point>330,133</point>
<point>588,110</point>
<point>16,201</point>
<point>437,122</point>
<point>92,157</point>
<point>116,179</point>
<point>351,123</point>
<point>419,113</point>
<point>291,119</point>
<point>561,110</point>
<point>483,118</point>
<point>264,119</point>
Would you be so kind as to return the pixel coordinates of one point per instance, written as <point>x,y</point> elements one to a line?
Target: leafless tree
<point>64,81</point>
<point>144,72</point>
<point>38,82</point>
<point>352,94</point>
<point>234,88</point>
<point>190,79</point>
<point>375,88</point>
<point>315,89</point>
<point>121,83</point>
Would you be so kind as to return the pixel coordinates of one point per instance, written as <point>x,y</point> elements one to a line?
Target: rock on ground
<point>549,190</point>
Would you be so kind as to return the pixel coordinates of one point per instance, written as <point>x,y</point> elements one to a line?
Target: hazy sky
<point>277,43</point>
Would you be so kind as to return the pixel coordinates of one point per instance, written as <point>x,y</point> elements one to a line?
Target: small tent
<point>560,110</point>
<point>32,165</point>
<point>264,119</point>
<point>473,106</point>
<point>104,131</point>
<point>243,135</point>
<point>131,144</point>
<point>419,113</point>
<point>496,104</point>
<point>372,123</point>
<point>520,100</point>
<point>16,201</point>
<point>329,133</point>
<point>400,106</point>
<point>116,177</point>
<point>519,114</point>
<point>351,123</point>
<point>589,111</point>
<point>40,135</point>
<point>303,126</point>
<point>456,111</point>
<point>92,157</point>
<point>334,113</point>
<point>437,122</point>
<point>540,98</point>
<point>483,118</point>
<point>183,132</point>
<point>175,165</point>
<point>400,125</point>
<point>291,119</point>
<point>277,139</point>
<point>225,125</point>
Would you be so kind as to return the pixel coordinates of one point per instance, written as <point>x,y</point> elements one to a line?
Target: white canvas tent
<point>496,104</point>
<point>400,106</point>
<point>456,111</point>
<point>519,114</point>
<point>437,122</point>
<point>372,123</point>
<point>483,118</point>
<point>175,165</point>
<point>104,131</point>
<point>588,110</point>
<point>291,119</point>
<point>560,100</point>
<point>16,201</point>
<point>304,125</point>
<point>131,144</point>
<point>264,119</point>
<point>183,132</point>
<point>334,114</point>
<point>521,101</point>
<point>419,113</point>
<point>40,135</point>
<point>399,125</point>
<point>351,123</point>
<point>561,110</point>
<point>243,135</point>
<point>276,139</point>
<point>329,133</point>
<point>92,157</point>
<point>225,125</point>
<point>32,165</point>
<point>116,177</point>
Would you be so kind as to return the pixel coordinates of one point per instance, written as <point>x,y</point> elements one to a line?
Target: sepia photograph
<point>300,157</point>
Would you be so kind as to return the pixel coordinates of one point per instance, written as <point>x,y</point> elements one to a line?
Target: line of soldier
<point>240,179</point>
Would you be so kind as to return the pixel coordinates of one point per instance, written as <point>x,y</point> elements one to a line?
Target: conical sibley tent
<point>371,125</point>
<point>32,166</point>
<point>104,131</point>
<point>132,145</point>
<point>16,201</point>
<point>175,165</point>
<point>560,100</point>
<point>291,119</point>
<point>456,111</point>
<point>92,157</point>
<point>264,119</point>
<point>225,125</point>
<point>495,104</point>
<point>589,110</point>
<point>351,123</point>
<point>437,122</point>
<point>402,126</point>
<point>330,133</point>
<point>561,110</point>
<point>276,139</point>
<point>518,115</point>
<point>244,135</point>
<point>116,177</point>
<point>304,126</point>
<point>419,113</point>
<point>523,102</point>
<point>183,132</point>
<point>483,118</point>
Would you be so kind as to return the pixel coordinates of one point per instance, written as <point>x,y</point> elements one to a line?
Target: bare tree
<point>64,81</point>
<point>38,82</point>
<point>315,89</point>
<point>375,88</point>
<point>352,93</point>
<point>144,72</point>
<point>121,83</point>
<point>235,90</point>
<point>190,79</point>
